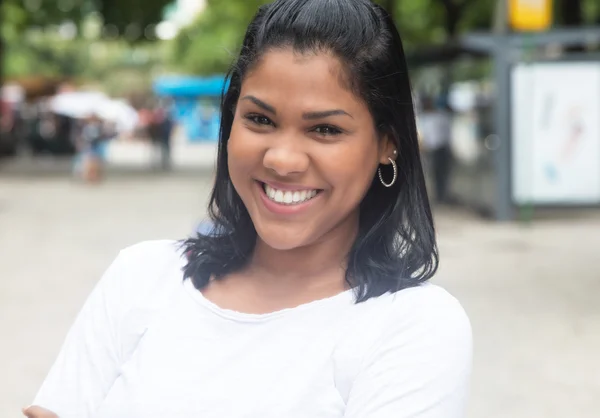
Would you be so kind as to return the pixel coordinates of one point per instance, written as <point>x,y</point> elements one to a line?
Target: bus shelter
<point>544,138</point>
<point>532,139</point>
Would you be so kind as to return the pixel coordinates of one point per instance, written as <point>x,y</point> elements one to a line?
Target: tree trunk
<point>453,15</point>
<point>454,12</point>
<point>2,66</point>
<point>571,12</point>
<point>2,46</point>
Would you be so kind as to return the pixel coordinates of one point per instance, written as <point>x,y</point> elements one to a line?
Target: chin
<point>284,238</point>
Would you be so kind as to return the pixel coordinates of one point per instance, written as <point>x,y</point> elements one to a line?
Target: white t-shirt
<point>148,344</point>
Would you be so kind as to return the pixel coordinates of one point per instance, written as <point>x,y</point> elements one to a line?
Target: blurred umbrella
<point>77,104</point>
<point>81,104</point>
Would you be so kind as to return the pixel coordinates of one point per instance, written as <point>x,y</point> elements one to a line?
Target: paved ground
<point>533,293</point>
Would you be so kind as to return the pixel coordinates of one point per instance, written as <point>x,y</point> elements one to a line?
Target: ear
<point>387,149</point>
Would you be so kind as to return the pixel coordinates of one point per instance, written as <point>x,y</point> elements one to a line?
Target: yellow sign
<point>530,15</point>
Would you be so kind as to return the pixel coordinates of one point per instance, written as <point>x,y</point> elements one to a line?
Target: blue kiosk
<point>196,103</point>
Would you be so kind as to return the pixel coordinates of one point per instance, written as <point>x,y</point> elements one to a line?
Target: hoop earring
<point>390,184</point>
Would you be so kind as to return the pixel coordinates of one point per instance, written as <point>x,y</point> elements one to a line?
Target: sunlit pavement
<point>532,292</point>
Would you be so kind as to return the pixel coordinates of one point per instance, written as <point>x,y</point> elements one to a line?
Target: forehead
<point>304,79</point>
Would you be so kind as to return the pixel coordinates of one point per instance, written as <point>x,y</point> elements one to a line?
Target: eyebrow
<point>260,104</point>
<point>324,114</point>
<point>307,116</point>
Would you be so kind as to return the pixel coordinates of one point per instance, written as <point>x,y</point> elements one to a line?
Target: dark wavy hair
<point>395,247</point>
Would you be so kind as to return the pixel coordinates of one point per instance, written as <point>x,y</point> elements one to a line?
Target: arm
<point>37,412</point>
<point>420,367</point>
<point>89,360</point>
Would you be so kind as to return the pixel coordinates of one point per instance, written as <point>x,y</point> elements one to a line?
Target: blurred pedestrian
<point>88,163</point>
<point>162,128</point>
<point>7,128</point>
<point>435,128</point>
<point>6,116</point>
<point>308,296</point>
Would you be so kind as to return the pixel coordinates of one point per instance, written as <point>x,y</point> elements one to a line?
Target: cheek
<point>235,144</point>
<point>352,168</point>
<point>240,161</point>
<point>243,151</point>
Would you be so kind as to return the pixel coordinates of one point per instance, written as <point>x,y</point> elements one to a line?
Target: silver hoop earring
<point>390,184</point>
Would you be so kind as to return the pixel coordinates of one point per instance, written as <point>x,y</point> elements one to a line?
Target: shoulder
<point>149,266</point>
<point>404,349</point>
<point>425,305</point>
<point>152,256</point>
<point>428,328</point>
<point>426,302</point>
<point>143,280</point>
<point>430,312</point>
<point>157,251</point>
<point>425,319</point>
<point>417,357</point>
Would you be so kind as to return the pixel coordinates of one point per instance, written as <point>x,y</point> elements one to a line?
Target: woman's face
<point>303,149</point>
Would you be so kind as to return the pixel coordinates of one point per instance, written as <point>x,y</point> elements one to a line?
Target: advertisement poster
<point>556,133</point>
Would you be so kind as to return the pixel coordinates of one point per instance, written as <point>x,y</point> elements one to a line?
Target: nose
<point>285,161</point>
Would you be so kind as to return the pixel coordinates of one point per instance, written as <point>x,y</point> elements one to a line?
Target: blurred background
<point>109,121</point>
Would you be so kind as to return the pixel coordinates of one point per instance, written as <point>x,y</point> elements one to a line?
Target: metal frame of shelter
<point>507,50</point>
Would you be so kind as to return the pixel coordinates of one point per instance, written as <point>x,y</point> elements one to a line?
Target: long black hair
<point>395,247</point>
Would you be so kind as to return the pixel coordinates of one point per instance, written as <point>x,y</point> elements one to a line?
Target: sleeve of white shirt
<point>421,365</point>
<point>89,360</point>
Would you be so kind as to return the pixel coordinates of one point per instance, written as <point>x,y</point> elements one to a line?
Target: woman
<point>308,296</point>
<point>89,156</point>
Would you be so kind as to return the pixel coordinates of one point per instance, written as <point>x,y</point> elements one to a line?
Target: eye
<point>327,130</point>
<point>259,119</point>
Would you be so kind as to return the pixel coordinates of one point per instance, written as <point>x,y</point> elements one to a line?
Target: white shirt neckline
<point>237,316</point>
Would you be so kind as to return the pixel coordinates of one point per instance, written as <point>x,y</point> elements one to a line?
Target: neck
<point>318,266</point>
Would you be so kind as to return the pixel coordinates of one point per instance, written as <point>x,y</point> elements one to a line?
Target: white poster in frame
<point>555,111</point>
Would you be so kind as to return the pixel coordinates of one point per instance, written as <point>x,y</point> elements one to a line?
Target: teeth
<point>278,196</point>
<point>288,197</point>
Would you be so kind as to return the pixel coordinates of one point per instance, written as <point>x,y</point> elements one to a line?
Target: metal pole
<point>501,148</point>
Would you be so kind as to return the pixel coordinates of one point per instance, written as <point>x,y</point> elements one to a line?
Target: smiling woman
<point>308,296</point>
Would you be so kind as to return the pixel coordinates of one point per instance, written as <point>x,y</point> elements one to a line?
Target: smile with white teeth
<point>288,197</point>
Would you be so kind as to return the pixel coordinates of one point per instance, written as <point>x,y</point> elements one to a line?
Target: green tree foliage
<point>124,15</point>
<point>132,15</point>
<point>209,45</point>
<point>30,44</point>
